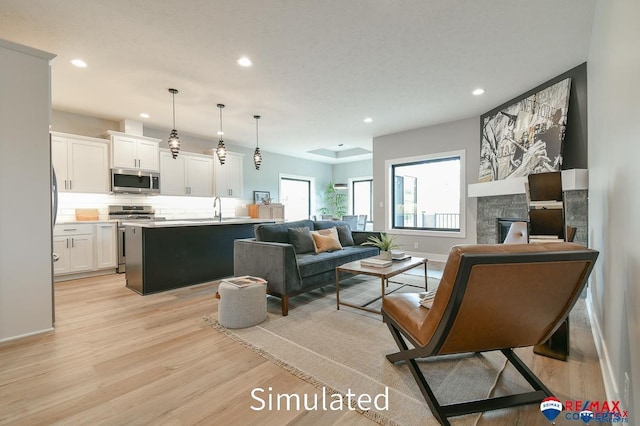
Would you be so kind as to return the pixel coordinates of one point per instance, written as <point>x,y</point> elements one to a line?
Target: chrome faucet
<point>217,203</point>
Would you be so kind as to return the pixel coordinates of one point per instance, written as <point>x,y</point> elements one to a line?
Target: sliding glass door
<point>295,194</point>
<point>362,197</point>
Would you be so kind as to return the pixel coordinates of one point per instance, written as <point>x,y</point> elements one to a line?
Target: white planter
<point>385,255</point>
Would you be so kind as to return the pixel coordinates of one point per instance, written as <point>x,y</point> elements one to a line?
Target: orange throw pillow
<point>326,240</point>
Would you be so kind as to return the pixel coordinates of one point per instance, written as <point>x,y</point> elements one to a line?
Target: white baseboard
<point>610,386</point>
<point>22,336</point>
<point>60,278</point>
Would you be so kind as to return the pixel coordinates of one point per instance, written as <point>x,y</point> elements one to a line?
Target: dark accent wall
<point>574,157</point>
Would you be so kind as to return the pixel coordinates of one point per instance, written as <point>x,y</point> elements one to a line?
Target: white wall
<point>25,184</point>
<point>457,135</point>
<point>614,192</point>
<point>342,172</point>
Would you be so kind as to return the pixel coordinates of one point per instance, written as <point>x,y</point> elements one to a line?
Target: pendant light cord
<point>257,144</point>
<point>174,110</point>
<point>221,132</point>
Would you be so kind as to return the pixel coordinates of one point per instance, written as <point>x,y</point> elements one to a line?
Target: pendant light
<point>221,151</point>
<point>174,140</point>
<point>257,157</point>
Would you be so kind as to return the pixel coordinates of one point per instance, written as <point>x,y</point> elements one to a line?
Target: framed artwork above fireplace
<point>526,136</point>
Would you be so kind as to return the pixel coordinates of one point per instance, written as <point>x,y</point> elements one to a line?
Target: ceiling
<point>320,67</point>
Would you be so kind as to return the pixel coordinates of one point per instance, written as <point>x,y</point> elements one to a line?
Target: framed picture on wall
<point>526,136</point>
<point>261,197</point>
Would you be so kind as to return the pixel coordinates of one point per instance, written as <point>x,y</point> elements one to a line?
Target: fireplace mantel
<point>574,179</point>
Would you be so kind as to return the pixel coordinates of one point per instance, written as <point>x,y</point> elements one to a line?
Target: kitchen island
<point>163,255</point>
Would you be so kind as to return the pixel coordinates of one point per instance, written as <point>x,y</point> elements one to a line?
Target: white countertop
<point>77,222</point>
<point>194,222</point>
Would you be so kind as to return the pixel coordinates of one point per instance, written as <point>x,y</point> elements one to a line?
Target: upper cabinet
<point>134,152</point>
<point>81,163</point>
<point>228,176</point>
<point>189,174</point>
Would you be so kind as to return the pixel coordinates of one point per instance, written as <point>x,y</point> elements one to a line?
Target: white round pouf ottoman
<point>242,307</point>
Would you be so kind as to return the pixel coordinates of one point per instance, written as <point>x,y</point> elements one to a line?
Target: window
<point>426,193</point>
<point>295,194</point>
<point>362,197</point>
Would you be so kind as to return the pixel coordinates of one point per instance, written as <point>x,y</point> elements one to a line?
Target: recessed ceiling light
<point>478,92</point>
<point>244,62</point>
<point>79,63</point>
<point>144,115</point>
<point>368,120</point>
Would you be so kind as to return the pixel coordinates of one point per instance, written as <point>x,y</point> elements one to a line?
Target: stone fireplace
<point>496,212</point>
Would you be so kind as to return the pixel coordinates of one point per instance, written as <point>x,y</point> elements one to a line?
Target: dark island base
<point>165,258</point>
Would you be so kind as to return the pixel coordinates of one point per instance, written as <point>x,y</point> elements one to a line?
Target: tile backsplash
<point>165,206</point>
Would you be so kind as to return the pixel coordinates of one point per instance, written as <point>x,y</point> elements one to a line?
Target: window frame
<point>353,180</point>
<point>312,188</point>
<point>388,195</point>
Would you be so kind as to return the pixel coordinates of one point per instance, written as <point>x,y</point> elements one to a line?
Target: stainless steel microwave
<point>135,181</point>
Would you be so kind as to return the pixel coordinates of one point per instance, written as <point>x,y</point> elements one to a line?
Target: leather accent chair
<point>491,297</point>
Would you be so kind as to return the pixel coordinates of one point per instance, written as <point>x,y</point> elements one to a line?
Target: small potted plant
<point>385,243</point>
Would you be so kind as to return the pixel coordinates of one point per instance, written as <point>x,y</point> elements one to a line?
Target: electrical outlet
<point>381,204</point>
<point>415,245</point>
<point>625,396</point>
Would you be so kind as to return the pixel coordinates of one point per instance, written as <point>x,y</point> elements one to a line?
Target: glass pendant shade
<point>221,150</point>
<point>174,143</point>
<point>174,139</point>
<point>257,156</point>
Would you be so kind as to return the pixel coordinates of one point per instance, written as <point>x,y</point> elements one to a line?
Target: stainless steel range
<point>128,214</point>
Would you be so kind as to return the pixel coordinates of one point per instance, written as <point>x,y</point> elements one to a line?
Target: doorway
<point>296,195</point>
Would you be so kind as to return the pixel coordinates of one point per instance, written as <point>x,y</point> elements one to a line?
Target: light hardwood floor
<point>119,358</point>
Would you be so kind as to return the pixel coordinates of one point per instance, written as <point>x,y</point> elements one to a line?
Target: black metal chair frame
<point>467,261</point>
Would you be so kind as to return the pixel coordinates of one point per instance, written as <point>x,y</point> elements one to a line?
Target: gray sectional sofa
<point>272,255</point>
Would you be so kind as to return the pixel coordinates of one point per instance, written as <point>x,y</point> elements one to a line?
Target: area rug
<point>344,351</point>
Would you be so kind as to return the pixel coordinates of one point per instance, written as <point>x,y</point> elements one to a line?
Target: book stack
<point>244,281</point>
<point>426,299</point>
<point>399,256</point>
<point>545,239</point>
<point>376,263</point>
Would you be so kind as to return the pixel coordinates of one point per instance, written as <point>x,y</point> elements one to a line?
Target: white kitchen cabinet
<point>172,174</point>
<point>134,152</point>
<point>61,248</point>
<point>106,245</point>
<point>81,163</point>
<point>228,176</point>
<point>189,174</point>
<point>74,245</point>
<point>200,175</point>
<point>84,248</point>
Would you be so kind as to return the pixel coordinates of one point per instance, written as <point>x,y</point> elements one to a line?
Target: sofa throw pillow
<point>301,240</point>
<point>344,234</point>
<point>326,240</point>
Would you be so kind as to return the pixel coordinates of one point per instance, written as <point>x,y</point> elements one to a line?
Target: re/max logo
<point>596,407</point>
